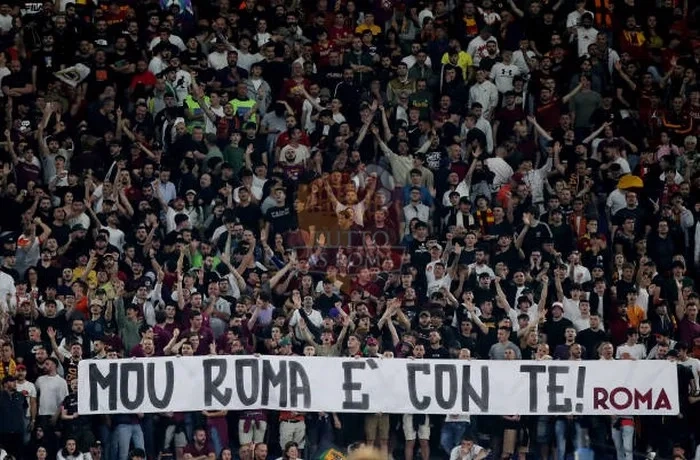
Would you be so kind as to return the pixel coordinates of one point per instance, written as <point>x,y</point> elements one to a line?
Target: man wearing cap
<point>28,390</point>
<point>556,328</point>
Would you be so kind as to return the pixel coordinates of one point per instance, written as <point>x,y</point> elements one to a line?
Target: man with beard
<point>352,202</point>
<point>294,156</point>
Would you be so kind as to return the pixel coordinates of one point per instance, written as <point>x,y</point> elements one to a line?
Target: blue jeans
<point>561,430</point>
<point>319,435</point>
<point>149,435</point>
<point>623,438</point>
<point>452,433</point>
<point>106,437</point>
<point>122,437</point>
<point>215,440</point>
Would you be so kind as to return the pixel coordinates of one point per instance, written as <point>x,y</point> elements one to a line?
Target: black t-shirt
<point>168,113</point>
<point>59,323</point>
<point>534,237</point>
<point>439,353</point>
<point>555,331</point>
<point>332,75</point>
<point>282,218</point>
<point>99,78</point>
<point>506,119</point>
<point>27,349</point>
<point>46,62</point>
<point>511,257</point>
<point>274,73</point>
<point>61,233</point>
<point>685,376</point>
<point>191,58</point>
<point>250,217</point>
<point>70,369</point>
<point>120,60</point>
<point>16,81</point>
<point>638,214</point>
<point>420,254</point>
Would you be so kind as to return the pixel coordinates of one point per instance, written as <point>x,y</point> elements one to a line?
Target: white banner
<point>402,386</point>
<point>73,75</point>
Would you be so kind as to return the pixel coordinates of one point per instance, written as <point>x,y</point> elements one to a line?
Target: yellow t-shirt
<point>91,278</point>
<point>464,61</point>
<point>375,29</point>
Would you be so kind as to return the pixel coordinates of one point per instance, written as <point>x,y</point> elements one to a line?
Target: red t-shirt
<point>146,79</point>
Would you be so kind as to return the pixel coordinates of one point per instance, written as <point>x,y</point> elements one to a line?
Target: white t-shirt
<point>502,75</point>
<point>301,154</point>
<point>636,351</point>
<point>573,19</point>
<point>218,60</point>
<point>307,108</point>
<point>585,37</point>
<point>436,284</point>
<point>616,201</point>
<point>5,23</point>
<point>501,169</point>
<point>116,237</point>
<point>261,38</point>
<point>52,391</point>
<point>246,60</point>
<point>29,391</point>
<point>209,126</point>
<point>457,453</point>
<point>624,165</point>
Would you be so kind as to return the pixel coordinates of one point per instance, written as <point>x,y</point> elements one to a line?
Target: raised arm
<point>596,133</point>
<point>540,131</point>
<point>501,298</point>
<point>331,195</point>
<point>543,295</point>
<point>573,93</point>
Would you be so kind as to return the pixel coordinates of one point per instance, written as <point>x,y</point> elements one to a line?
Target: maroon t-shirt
<point>194,451</point>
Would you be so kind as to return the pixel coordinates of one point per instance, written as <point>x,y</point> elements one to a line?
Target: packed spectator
<point>447,179</point>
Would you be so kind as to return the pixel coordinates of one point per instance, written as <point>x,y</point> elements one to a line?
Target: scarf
<point>253,417</point>
<point>485,219</point>
<point>11,369</point>
<point>580,228</point>
<point>461,219</point>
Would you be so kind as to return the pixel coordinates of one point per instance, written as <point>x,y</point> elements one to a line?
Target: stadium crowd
<point>447,179</point>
